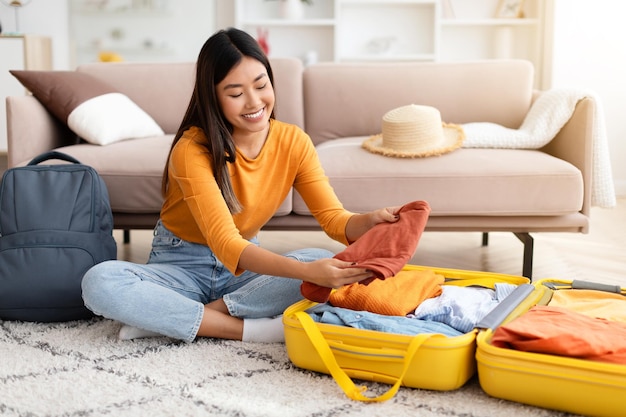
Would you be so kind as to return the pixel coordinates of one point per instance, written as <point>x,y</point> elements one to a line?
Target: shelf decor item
<point>293,9</point>
<point>510,9</point>
<point>263,40</point>
<point>447,11</point>
<point>16,4</point>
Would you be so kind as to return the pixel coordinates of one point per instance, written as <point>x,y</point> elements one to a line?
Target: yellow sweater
<point>195,210</point>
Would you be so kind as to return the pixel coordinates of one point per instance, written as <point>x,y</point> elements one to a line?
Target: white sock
<point>264,330</point>
<point>129,332</point>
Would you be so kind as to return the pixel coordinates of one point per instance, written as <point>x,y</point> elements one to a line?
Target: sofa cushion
<point>94,110</point>
<point>349,99</point>
<point>175,81</point>
<point>134,184</point>
<point>471,182</point>
<point>162,89</point>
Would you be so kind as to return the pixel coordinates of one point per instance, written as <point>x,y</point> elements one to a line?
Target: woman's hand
<point>333,273</point>
<point>387,214</point>
<point>361,223</point>
<point>326,272</point>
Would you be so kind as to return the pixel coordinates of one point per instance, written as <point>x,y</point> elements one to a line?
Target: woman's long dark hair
<point>219,54</point>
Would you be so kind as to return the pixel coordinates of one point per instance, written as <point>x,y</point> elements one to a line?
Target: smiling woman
<point>246,96</point>
<point>230,167</point>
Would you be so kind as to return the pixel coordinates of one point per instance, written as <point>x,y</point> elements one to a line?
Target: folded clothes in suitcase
<point>425,360</point>
<point>573,360</point>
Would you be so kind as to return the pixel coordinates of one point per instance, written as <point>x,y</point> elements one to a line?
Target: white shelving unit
<point>387,30</point>
<point>403,30</point>
<point>315,32</point>
<point>135,30</point>
<point>474,32</point>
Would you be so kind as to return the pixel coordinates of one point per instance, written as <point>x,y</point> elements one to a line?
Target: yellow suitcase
<point>434,362</point>
<point>549,381</point>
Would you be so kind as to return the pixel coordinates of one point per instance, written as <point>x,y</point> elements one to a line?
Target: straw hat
<point>415,132</point>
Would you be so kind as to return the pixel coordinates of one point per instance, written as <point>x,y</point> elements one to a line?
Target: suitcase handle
<point>494,318</point>
<point>339,375</point>
<point>588,285</point>
<point>584,285</point>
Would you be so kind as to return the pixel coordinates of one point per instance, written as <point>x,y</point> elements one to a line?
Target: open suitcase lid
<point>549,381</point>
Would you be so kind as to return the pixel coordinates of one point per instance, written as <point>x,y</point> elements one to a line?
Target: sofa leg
<point>485,238</point>
<point>527,240</point>
<point>126,236</point>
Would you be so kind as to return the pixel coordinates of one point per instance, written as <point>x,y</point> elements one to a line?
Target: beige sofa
<point>339,105</point>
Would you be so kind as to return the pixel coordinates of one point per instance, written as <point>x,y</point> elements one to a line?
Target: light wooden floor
<point>598,256</point>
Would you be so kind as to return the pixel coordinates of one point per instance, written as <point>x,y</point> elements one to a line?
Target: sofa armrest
<point>32,130</point>
<point>574,144</point>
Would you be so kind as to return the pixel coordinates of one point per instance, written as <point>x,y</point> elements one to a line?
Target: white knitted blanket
<point>546,117</point>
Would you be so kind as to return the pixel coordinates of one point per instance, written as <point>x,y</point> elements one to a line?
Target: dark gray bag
<point>55,224</point>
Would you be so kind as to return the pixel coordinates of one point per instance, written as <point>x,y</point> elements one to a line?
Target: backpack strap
<point>53,155</point>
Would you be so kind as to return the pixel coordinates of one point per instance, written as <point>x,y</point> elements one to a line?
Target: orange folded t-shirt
<point>559,331</point>
<point>384,249</point>
<point>392,297</point>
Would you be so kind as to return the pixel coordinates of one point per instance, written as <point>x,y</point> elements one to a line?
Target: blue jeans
<point>326,313</point>
<point>167,295</point>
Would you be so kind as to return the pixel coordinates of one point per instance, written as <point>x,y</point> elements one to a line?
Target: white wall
<point>590,52</point>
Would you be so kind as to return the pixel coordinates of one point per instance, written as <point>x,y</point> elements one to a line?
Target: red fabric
<point>559,331</point>
<point>384,249</point>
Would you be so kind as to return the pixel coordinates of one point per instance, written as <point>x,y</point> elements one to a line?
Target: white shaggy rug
<point>80,369</point>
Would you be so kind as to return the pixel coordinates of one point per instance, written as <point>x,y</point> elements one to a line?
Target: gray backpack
<point>55,224</point>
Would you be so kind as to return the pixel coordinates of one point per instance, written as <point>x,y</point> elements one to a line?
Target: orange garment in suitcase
<point>559,331</point>
<point>396,297</point>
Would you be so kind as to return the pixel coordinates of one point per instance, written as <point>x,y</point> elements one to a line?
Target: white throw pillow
<point>109,118</point>
<point>91,108</point>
